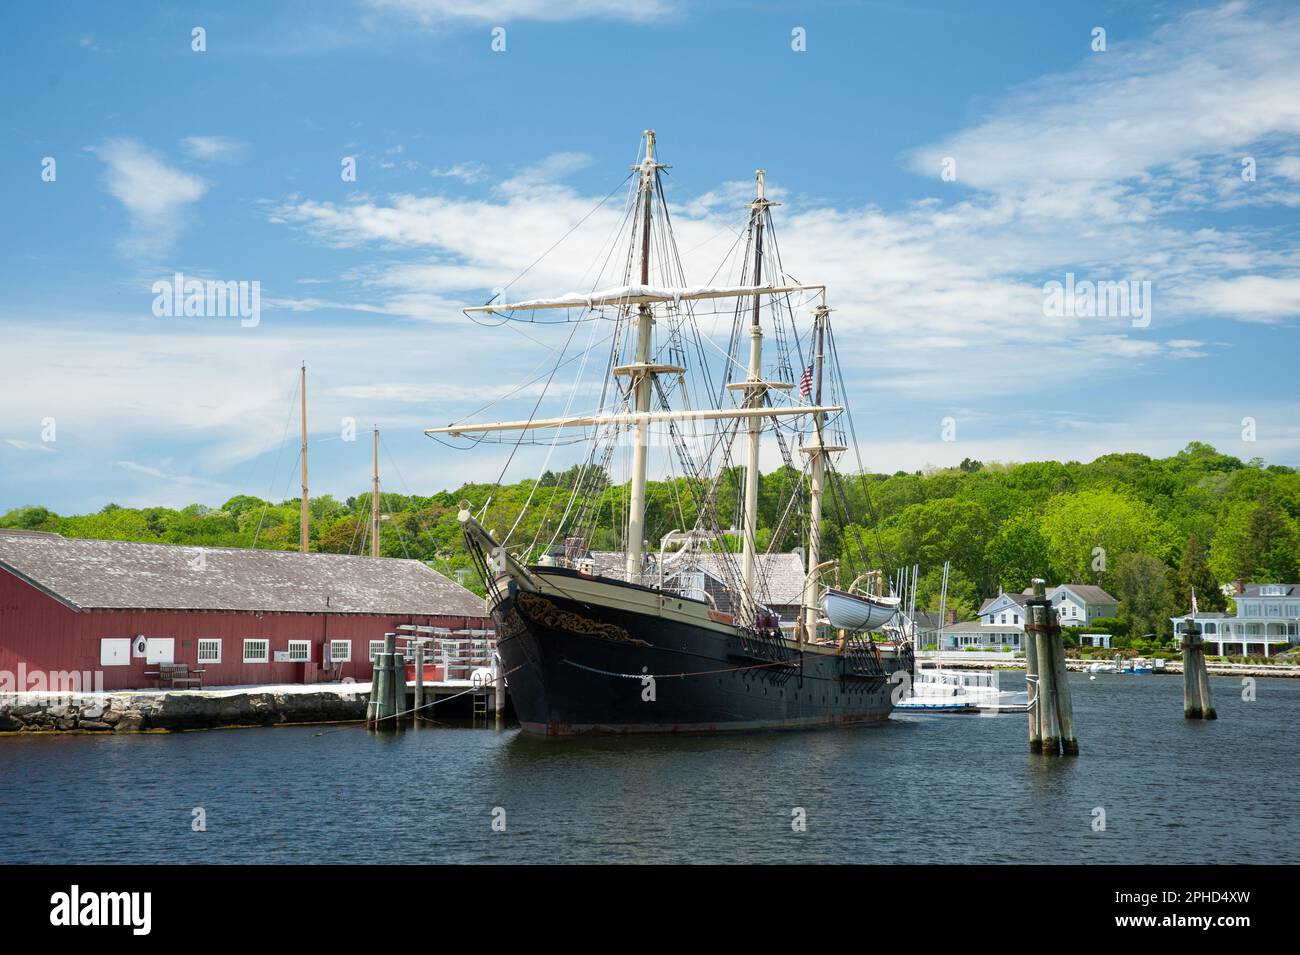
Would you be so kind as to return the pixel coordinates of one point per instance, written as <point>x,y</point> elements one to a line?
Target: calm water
<point>919,789</point>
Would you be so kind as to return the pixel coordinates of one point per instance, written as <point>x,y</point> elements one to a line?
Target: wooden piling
<point>499,694</point>
<point>1049,729</point>
<point>1191,672</point>
<point>1031,684</point>
<point>1207,704</point>
<point>380,695</point>
<point>396,696</point>
<point>1051,713</point>
<point>1197,704</point>
<point>418,644</point>
<point>1064,698</point>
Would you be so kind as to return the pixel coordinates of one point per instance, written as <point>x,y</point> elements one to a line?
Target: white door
<point>160,650</point>
<point>115,652</point>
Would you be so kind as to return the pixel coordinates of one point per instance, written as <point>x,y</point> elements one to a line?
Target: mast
<point>374,503</point>
<point>306,514</point>
<point>642,372</point>
<point>817,452</point>
<point>754,394</point>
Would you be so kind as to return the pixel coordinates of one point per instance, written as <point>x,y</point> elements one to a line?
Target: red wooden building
<point>120,609</point>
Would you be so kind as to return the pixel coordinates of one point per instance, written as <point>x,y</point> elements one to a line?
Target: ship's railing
<point>768,644</point>
<point>862,659</point>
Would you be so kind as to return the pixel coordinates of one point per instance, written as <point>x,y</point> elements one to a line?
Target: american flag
<point>805,382</point>
<point>1193,601</point>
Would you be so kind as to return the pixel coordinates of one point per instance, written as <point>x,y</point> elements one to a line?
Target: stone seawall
<point>174,711</point>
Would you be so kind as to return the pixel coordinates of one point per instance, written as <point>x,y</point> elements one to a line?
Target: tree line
<point>1146,529</point>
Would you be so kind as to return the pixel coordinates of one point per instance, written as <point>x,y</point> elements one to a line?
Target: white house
<point>1078,605</point>
<point>1000,625</point>
<point>1001,620</point>
<point>1267,622</point>
<point>1004,610</point>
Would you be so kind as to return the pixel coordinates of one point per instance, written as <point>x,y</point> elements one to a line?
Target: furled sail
<point>633,418</point>
<point>644,295</point>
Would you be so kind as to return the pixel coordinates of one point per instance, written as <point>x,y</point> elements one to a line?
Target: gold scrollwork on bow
<point>542,611</point>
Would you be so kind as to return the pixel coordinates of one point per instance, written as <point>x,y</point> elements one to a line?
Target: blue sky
<point>1122,164</point>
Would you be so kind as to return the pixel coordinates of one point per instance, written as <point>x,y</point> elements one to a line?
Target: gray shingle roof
<point>1018,599</point>
<point>118,575</point>
<point>1085,592</point>
<point>1255,590</point>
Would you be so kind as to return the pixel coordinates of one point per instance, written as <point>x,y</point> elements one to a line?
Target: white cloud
<point>155,195</point>
<point>1133,121</point>
<point>221,149</point>
<point>504,11</point>
<point>29,445</point>
<point>1253,298</point>
<point>936,298</point>
<point>467,172</point>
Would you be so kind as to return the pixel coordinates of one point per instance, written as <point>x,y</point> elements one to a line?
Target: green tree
<point>1270,547</point>
<point>1146,600</point>
<point>1194,577</point>
<point>343,536</point>
<point>1089,530</point>
<point>1018,552</point>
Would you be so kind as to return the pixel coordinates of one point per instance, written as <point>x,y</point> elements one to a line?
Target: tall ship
<point>707,626</point>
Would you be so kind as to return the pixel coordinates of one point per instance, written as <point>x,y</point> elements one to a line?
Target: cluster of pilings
<point>388,687</point>
<point>387,707</point>
<point>1197,704</point>
<point>1051,708</point>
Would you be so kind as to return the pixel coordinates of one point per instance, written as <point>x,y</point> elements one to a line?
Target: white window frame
<point>209,641</point>
<point>376,647</point>
<point>305,646</point>
<point>266,650</point>
<point>334,657</point>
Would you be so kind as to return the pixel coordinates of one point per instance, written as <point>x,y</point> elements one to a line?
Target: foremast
<point>817,450</point>
<point>642,371</point>
<point>755,397</point>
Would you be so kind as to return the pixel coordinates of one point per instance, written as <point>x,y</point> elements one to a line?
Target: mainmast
<point>306,513</point>
<point>755,390</point>
<point>374,502</point>
<point>817,452</point>
<point>642,371</point>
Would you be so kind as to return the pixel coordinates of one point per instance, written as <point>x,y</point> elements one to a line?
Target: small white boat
<point>1103,668</point>
<point>922,705</point>
<point>857,612</point>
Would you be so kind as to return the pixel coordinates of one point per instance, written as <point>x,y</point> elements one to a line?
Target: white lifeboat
<point>857,612</point>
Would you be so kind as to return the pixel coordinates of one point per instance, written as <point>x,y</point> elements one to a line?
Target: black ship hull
<point>579,667</point>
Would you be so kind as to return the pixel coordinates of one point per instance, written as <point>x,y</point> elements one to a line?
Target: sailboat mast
<point>306,513</point>
<point>374,503</point>
<point>642,374</point>
<point>753,398</point>
<point>816,479</point>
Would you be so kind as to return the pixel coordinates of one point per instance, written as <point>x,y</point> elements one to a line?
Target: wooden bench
<point>177,675</point>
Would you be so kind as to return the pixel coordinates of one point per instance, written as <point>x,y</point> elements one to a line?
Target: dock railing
<point>458,652</point>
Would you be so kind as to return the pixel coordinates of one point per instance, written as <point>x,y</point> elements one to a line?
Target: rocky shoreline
<point>174,711</point>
